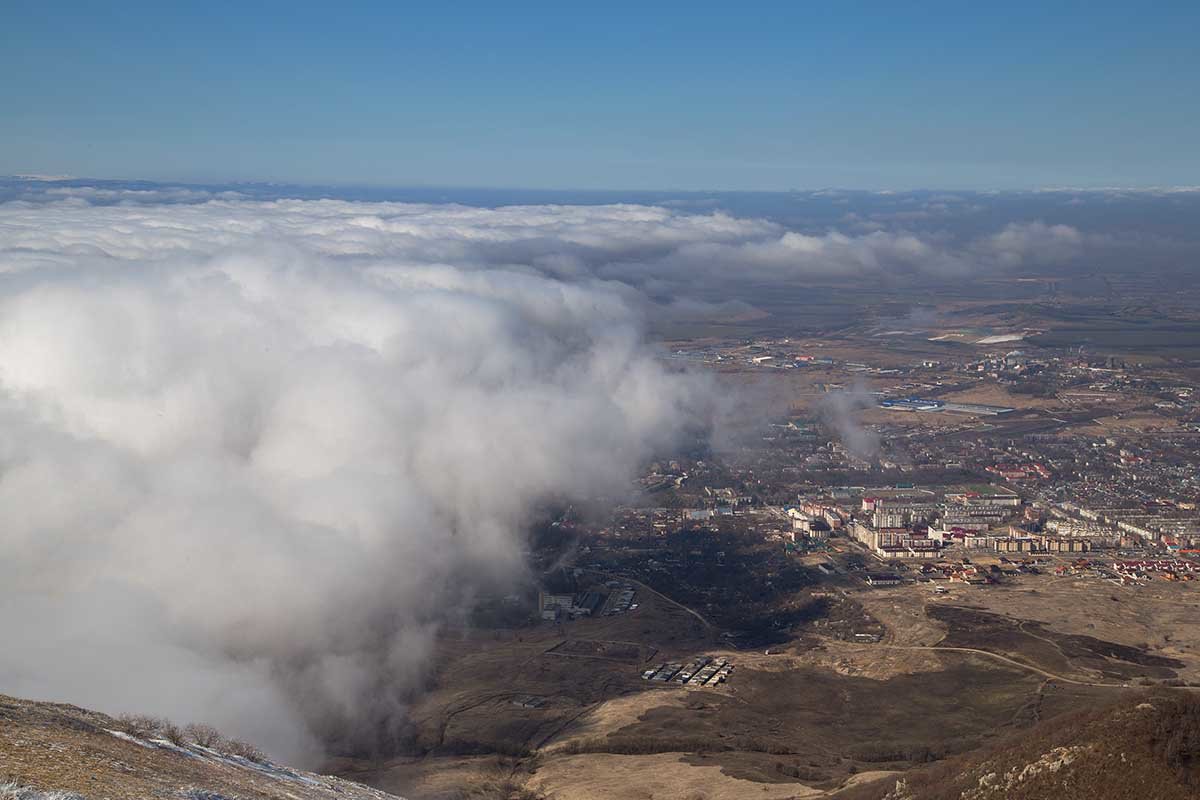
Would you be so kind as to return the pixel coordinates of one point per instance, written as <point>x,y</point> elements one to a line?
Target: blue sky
<point>605,95</point>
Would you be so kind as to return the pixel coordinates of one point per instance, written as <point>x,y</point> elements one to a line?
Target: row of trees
<point>146,727</point>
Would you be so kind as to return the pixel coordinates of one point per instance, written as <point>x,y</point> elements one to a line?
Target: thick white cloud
<point>647,246</point>
<point>545,236</point>
<point>251,452</point>
<point>792,255</point>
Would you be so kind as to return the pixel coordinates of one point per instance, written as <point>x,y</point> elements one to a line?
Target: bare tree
<point>174,734</point>
<point>205,736</point>
<point>142,725</point>
<point>245,750</point>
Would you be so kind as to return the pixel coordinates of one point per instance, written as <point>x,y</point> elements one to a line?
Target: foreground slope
<point>59,748</point>
<point>1142,747</point>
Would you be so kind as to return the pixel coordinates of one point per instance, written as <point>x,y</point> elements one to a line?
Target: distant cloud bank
<point>638,245</point>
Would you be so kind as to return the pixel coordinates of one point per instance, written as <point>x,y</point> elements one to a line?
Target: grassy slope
<point>1142,747</point>
<point>59,747</point>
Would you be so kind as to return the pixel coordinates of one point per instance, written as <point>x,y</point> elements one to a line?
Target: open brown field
<point>653,777</point>
<point>951,673</point>
<point>1137,423</point>
<point>1157,618</point>
<point>994,395</point>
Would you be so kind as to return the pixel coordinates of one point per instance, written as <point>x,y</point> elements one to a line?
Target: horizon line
<point>34,177</point>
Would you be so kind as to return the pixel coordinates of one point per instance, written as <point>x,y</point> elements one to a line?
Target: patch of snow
<point>15,791</point>
<point>133,739</point>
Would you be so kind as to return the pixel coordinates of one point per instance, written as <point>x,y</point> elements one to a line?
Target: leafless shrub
<point>147,727</point>
<point>248,751</point>
<point>205,736</point>
<point>142,725</point>
<point>174,734</point>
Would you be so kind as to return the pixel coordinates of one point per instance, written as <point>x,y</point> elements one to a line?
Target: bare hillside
<point>1143,747</point>
<point>61,752</point>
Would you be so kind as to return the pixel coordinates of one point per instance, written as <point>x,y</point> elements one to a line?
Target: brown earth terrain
<point>951,674</point>
<point>60,748</point>
<point>1143,746</point>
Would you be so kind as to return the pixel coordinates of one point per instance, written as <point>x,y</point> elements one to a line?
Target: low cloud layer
<point>253,453</point>
<point>651,248</point>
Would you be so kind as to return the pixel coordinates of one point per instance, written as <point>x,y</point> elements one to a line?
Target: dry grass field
<point>663,776</point>
<point>952,673</point>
